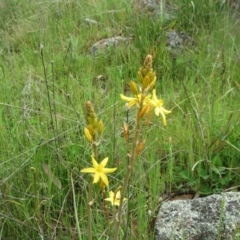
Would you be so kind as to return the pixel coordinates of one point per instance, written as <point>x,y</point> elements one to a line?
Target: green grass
<point>199,86</point>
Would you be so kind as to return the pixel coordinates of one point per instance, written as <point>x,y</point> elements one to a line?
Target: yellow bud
<point>140,147</point>
<point>152,83</point>
<point>144,71</point>
<point>148,62</point>
<point>146,81</point>
<point>144,110</point>
<point>100,127</point>
<point>88,120</point>
<point>91,130</point>
<point>140,76</point>
<point>90,115</point>
<point>95,123</point>
<point>88,135</point>
<point>125,131</point>
<point>148,117</point>
<point>133,87</point>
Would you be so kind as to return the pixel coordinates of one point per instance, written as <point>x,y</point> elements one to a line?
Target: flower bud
<point>152,83</point>
<point>125,131</point>
<point>133,87</point>
<point>140,147</point>
<point>140,76</point>
<point>100,127</point>
<point>88,135</point>
<point>144,110</point>
<point>91,130</point>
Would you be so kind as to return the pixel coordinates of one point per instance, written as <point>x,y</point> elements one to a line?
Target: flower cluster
<point>143,99</point>
<point>93,132</point>
<point>94,127</point>
<point>146,101</point>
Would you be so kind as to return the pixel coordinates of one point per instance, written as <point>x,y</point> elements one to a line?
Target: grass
<point>43,194</point>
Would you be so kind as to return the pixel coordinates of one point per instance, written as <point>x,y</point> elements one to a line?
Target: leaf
<point>184,174</point>
<point>205,190</point>
<point>217,162</point>
<point>52,177</point>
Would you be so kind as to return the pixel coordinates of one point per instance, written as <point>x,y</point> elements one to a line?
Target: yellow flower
<point>114,198</point>
<point>135,100</point>
<point>158,105</point>
<point>99,171</point>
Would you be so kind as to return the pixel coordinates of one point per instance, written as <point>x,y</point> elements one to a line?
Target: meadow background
<point>47,74</point>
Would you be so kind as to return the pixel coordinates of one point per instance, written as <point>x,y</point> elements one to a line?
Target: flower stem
<point>89,208</point>
<point>105,209</point>
<point>132,159</point>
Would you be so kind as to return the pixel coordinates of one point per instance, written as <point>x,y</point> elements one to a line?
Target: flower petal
<point>154,96</point>
<point>88,170</point>
<point>118,195</point>
<point>163,118</point>
<point>94,162</point>
<point>159,102</point>
<point>127,99</point>
<point>109,170</point>
<point>165,111</point>
<point>111,197</point>
<point>104,162</point>
<point>111,194</point>
<point>132,102</point>
<point>96,177</point>
<point>151,103</point>
<point>157,111</point>
<point>104,178</point>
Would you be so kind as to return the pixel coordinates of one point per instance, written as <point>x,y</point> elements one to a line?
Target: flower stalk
<point>132,160</point>
<point>145,100</point>
<point>145,103</point>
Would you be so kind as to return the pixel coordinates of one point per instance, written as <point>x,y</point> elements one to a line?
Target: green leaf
<point>217,162</point>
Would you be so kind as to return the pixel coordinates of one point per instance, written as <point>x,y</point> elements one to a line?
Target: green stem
<point>75,211</point>
<point>133,157</point>
<point>105,209</point>
<point>35,194</point>
<point>89,208</point>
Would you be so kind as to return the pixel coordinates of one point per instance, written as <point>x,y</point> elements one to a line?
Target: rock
<point>104,43</point>
<point>209,218</point>
<point>234,5</point>
<point>164,8</point>
<point>177,41</point>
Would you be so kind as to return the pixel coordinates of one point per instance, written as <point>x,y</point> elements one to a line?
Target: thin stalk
<point>94,150</point>
<point>49,99</point>
<point>54,104</point>
<point>132,160</point>
<point>89,211</point>
<point>48,92</point>
<point>35,194</point>
<point>105,209</point>
<point>75,211</point>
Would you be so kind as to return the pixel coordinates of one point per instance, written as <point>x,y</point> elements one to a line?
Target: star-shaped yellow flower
<point>135,100</point>
<point>114,198</point>
<point>157,104</point>
<point>99,171</point>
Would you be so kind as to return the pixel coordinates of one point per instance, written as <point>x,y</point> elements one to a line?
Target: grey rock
<point>163,8</point>
<point>177,42</point>
<point>210,218</point>
<point>104,43</point>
